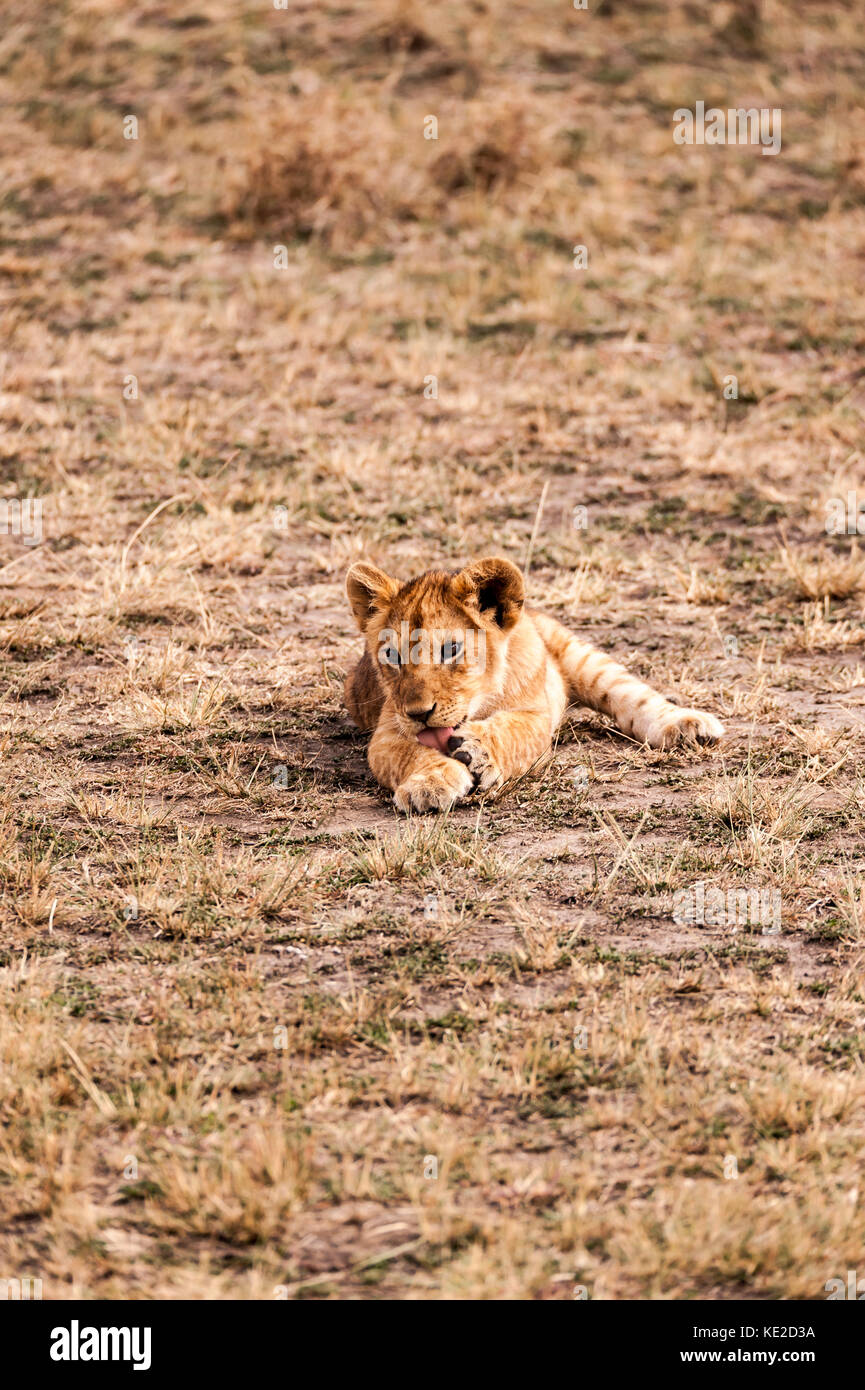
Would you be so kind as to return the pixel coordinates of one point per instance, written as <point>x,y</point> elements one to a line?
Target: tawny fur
<point>504,710</point>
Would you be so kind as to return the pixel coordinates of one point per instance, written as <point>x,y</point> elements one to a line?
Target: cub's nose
<point>423,714</point>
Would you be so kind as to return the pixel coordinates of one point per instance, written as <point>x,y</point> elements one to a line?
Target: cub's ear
<point>495,587</point>
<point>368,588</point>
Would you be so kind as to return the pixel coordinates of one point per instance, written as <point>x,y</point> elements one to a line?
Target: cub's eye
<point>389,656</point>
<point>451,651</point>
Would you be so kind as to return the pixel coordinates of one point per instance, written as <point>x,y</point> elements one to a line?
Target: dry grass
<point>830,576</point>
<point>260,1040</point>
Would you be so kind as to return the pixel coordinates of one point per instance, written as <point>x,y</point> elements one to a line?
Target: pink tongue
<point>435,738</point>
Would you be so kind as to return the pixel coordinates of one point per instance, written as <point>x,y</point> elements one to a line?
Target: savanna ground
<point>247,1014</point>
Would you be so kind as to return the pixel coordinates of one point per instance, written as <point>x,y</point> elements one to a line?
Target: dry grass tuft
<point>830,576</point>
<point>325,165</point>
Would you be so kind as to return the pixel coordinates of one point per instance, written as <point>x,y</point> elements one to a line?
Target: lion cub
<point>464,688</point>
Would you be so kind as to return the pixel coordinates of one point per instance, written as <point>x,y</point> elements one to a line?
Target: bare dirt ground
<point>260,1038</point>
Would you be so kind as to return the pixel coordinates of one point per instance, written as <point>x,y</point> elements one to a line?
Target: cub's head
<point>438,643</point>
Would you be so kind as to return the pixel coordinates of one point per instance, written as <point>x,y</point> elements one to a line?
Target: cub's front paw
<point>467,745</point>
<point>434,789</point>
<point>684,726</point>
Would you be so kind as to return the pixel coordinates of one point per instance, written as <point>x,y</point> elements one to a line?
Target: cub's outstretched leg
<point>601,683</point>
<point>421,778</point>
<point>504,745</point>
